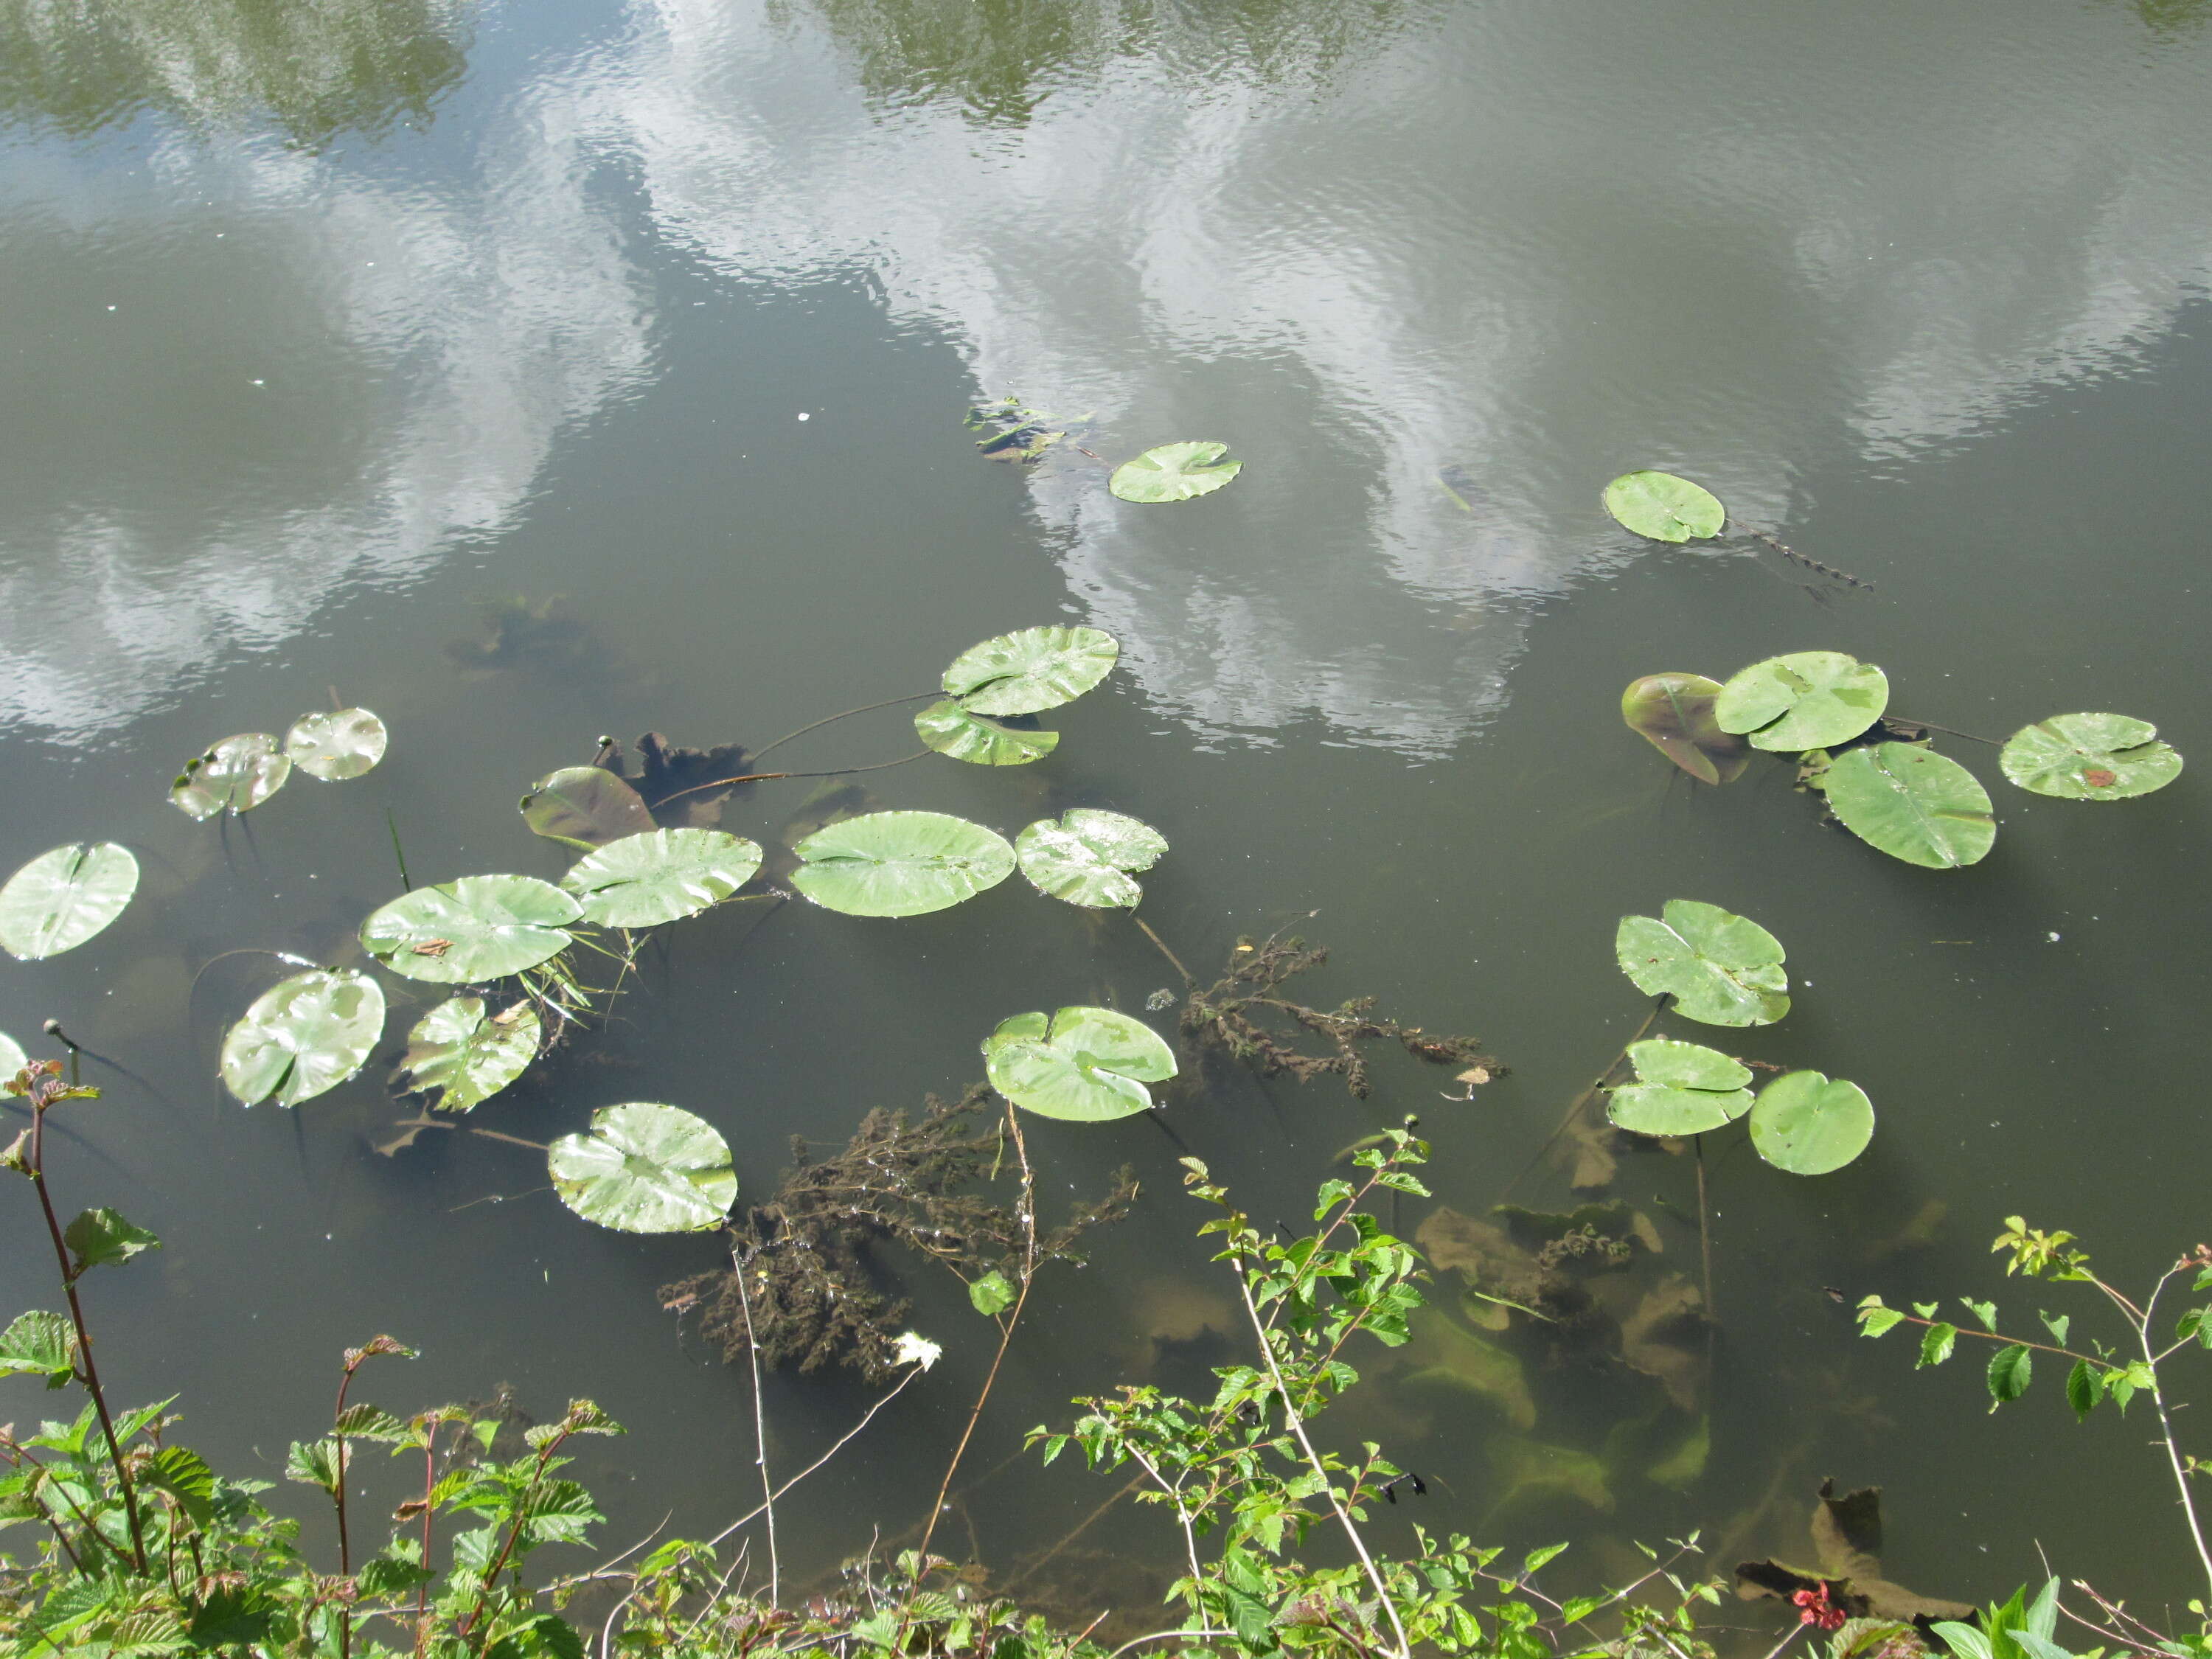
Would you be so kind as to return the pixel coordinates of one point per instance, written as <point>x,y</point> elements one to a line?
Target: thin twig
<point>760,1438</point>
<point>1176,960</point>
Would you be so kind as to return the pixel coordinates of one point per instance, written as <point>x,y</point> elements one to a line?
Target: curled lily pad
<point>465,1056</point>
<point>1911,803</point>
<point>900,864</point>
<point>303,1037</point>
<point>470,930</point>
<point>1806,700</point>
<point>645,1167</point>
<point>1721,969</point>
<point>1028,671</point>
<point>236,774</point>
<point>1809,1126</point>
<point>1664,507</point>
<point>1087,1065</point>
<point>2090,757</point>
<point>662,875</point>
<point>952,730</point>
<point>1173,472</point>
<point>1674,714</point>
<point>343,744</point>
<point>1088,855</point>
<point>63,896</point>
<point>1681,1089</point>
<point>586,806</point>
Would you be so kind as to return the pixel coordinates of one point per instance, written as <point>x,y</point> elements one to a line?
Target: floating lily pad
<point>1088,855</point>
<point>342,745</point>
<point>236,774</point>
<point>952,730</point>
<point>1173,472</point>
<point>1720,968</point>
<point>645,1167</point>
<point>1809,1126</point>
<point>2090,757</point>
<point>1031,671</point>
<point>662,875</point>
<point>586,806</point>
<point>1911,803</point>
<point>1086,1064</point>
<point>1681,1089</point>
<point>1664,507</point>
<point>465,1056</point>
<point>64,897</point>
<point>474,929</point>
<point>900,864</point>
<point>12,1057</point>
<point>303,1037</point>
<point>1806,700</point>
<point>1674,714</point>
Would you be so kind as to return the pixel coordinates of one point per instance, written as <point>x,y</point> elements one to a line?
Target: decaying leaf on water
<point>670,775</point>
<point>1674,713</point>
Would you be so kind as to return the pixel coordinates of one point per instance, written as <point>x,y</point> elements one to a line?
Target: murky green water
<point>327,329</point>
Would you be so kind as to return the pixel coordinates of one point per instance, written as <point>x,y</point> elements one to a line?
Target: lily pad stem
<point>1705,1246</point>
<point>1574,1107</point>
<point>865,709</point>
<point>1174,961</point>
<point>1906,719</point>
<point>762,777</point>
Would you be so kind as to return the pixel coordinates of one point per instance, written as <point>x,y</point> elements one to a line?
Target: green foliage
<point>1173,472</point>
<point>1029,671</point>
<point>1807,1125</point>
<point>1912,804</point>
<point>992,1294</point>
<point>645,1167</point>
<point>1089,857</point>
<point>469,931</point>
<point>63,897</point>
<point>953,731</point>
<point>1681,1089</point>
<point>1807,700</point>
<point>467,1055</point>
<point>303,1037</point>
<point>333,746</point>
<point>2090,757</point>
<point>1087,1065</point>
<point>1664,507</point>
<point>660,876</point>
<point>235,775</point>
<point>1721,969</point>
<point>1674,714</point>
<point>900,864</point>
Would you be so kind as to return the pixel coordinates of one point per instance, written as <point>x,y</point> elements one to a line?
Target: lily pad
<point>586,806</point>
<point>1664,507</point>
<point>303,1037</point>
<point>1911,803</point>
<point>952,730</point>
<point>662,875</point>
<point>1086,1064</point>
<point>1721,969</point>
<point>1674,714</point>
<point>64,897</point>
<point>1087,857</point>
<point>343,744</point>
<point>645,1167</point>
<point>2090,757</point>
<point>238,774</point>
<point>474,929</point>
<point>1173,472</point>
<point>900,864</point>
<point>12,1057</point>
<point>464,1056</point>
<point>1028,671</point>
<point>1806,700</point>
<point>1681,1089</point>
<point>1809,1126</point>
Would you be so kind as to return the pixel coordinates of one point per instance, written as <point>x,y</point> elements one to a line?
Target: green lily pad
<point>1087,857</point>
<point>464,1056</point>
<point>1721,969</point>
<point>342,745</point>
<point>64,897</point>
<point>238,774</point>
<point>662,875</point>
<point>1681,1089</point>
<point>474,929</point>
<point>1031,671</point>
<point>1911,803</point>
<point>1086,1065</point>
<point>586,806</point>
<point>303,1037</point>
<point>952,730</point>
<point>2090,757</point>
<point>1809,1126</point>
<point>1173,472</point>
<point>1674,714</point>
<point>1806,700</point>
<point>646,1168</point>
<point>1664,507</point>
<point>12,1057</point>
<point>900,864</point>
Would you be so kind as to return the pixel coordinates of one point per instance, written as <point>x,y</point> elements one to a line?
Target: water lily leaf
<point>1806,700</point>
<point>1086,1064</point>
<point>12,1057</point>
<point>2090,757</point>
<point>466,1057</point>
<point>1681,1089</point>
<point>662,875</point>
<point>303,1036</point>
<point>342,745</point>
<point>900,864</point>
<point>1664,507</point>
<point>1911,803</point>
<point>63,897</point>
<point>1720,968</point>
<point>238,774</point>
<point>952,730</point>
<point>1674,714</point>
<point>1173,472</point>
<point>645,1167</point>
<point>1086,857</point>
<point>1028,671</point>
<point>1809,1126</point>
<point>476,928</point>
<point>586,806</point>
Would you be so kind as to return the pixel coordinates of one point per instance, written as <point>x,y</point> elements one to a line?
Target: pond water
<point>648,330</point>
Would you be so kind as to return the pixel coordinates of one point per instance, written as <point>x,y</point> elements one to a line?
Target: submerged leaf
<point>239,774</point>
<point>1681,1089</point>
<point>952,730</point>
<point>1173,472</point>
<point>1721,969</point>
<point>466,1057</point>
<point>586,806</point>
<point>2090,757</point>
<point>1806,700</point>
<point>1674,714</point>
<point>64,897</point>
<point>1810,1126</point>
<point>645,1167</point>
<point>1088,1065</point>
<point>342,745</point>
<point>662,875</point>
<point>303,1036</point>
<point>1912,804</point>
<point>1664,507</point>
<point>900,864</point>
<point>479,927</point>
<point>1446,1357</point>
<point>1088,855</point>
<point>1033,670</point>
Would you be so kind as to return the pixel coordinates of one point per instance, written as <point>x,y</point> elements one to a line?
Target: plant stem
<point>760,1438</point>
<point>763,777</point>
<point>1907,719</point>
<point>422,1589</point>
<point>513,1532</point>
<point>1705,1245</point>
<point>1173,960</point>
<point>2008,1341</point>
<point>2165,1430</point>
<point>865,709</point>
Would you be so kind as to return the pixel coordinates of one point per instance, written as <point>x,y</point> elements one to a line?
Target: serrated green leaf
<point>2084,1387</point>
<point>2010,1369</point>
<point>102,1238</point>
<point>1936,1343</point>
<point>39,1344</point>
